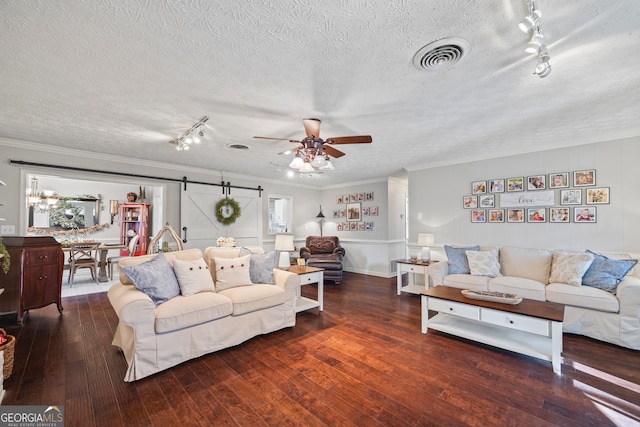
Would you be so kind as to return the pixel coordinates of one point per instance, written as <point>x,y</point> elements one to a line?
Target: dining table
<point>103,249</point>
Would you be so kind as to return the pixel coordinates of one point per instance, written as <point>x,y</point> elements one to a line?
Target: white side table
<point>412,268</point>
<point>308,275</point>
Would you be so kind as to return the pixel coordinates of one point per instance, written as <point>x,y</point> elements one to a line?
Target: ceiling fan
<point>314,151</point>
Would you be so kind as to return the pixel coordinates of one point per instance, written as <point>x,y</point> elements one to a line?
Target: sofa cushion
<point>526,288</point>
<point>155,278</point>
<point>261,266</point>
<point>483,263</point>
<point>605,273</point>
<point>569,267</point>
<point>534,264</point>
<point>582,296</point>
<point>232,272</point>
<point>466,281</point>
<point>252,298</point>
<point>187,254</point>
<point>322,247</point>
<point>185,311</point>
<point>457,258</point>
<point>193,276</point>
<point>212,252</point>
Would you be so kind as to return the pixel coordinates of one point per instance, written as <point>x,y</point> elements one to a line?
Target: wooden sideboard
<point>35,277</point>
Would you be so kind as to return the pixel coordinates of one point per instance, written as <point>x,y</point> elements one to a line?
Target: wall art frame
<point>559,215</point>
<point>559,180</point>
<point>478,187</point>
<point>515,215</point>
<point>515,184</point>
<point>536,182</point>
<point>354,212</point>
<point>571,197</point>
<point>585,214</point>
<point>496,215</point>
<point>584,178</point>
<point>496,186</point>
<point>478,215</point>
<point>597,196</point>
<point>487,201</point>
<point>470,202</point>
<point>537,215</point>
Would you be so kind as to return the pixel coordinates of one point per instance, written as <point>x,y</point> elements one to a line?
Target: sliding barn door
<point>198,218</point>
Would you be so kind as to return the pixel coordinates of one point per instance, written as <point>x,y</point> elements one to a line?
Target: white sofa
<point>589,311</point>
<point>156,337</point>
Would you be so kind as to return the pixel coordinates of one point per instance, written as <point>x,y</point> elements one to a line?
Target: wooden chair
<point>114,260</point>
<point>83,255</point>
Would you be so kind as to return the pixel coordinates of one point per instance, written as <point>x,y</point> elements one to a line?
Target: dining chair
<point>83,255</point>
<point>114,260</point>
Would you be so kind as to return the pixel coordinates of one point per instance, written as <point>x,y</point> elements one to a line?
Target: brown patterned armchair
<point>324,252</point>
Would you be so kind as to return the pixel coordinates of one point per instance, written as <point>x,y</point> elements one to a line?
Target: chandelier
<point>191,136</point>
<point>42,201</point>
<point>311,156</point>
<point>533,24</point>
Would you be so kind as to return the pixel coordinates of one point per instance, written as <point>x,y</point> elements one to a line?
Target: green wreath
<point>226,205</point>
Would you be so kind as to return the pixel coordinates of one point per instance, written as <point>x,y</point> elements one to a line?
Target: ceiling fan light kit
<point>191,136</point>
<point>533,24</point>
<point>313,151</point>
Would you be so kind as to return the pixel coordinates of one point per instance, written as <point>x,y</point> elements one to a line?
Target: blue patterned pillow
<point>261,266</point>
<point>458,263</point>
<point>605,273</point>
<point>155,278</point>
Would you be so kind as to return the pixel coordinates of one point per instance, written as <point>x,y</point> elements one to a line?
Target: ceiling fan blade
<point>359,139</point>
<point>277,139</point>
<point>332,151</point>
<point>312,127</point>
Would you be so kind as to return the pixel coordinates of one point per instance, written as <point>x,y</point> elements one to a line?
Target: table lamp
<point>284,244</point>
<point>426,240</point>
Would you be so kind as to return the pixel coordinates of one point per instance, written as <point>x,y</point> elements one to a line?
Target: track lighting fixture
<point>191,136</point>
<point>533,24</point>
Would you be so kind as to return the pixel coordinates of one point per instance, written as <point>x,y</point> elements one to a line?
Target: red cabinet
<point>134,220</point>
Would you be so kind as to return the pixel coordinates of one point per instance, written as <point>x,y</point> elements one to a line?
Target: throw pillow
<point>232,272</point>
<point>569,268</point>
<point>458,263</point>
<point>193,276</point>
<point>322,247</point>
<point>483,263</point>
<point>261,266</point>
<point>155,278</point>
<point>605,273</point>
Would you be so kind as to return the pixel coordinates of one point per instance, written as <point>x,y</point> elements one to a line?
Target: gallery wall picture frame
<point>338,200</point>
<point>336,213</point>
<point>559,180</point>
<point>571,197</point>
<point>339,226</point>
<point>361,197</point>
<point>345,226</point>
<point>361,226</point>
<point>562,215</point>
<point>365,211</point>
<point>585,214</point>
<point>478,187</point>
<point>373,211</point>
<point>515,184</point>
<point>368,226</point>
<point>368,196</point>
<point>478,215</point>
<point>515,215</point>
<point>470,202</point>
<point>536,182</point>
<point>496,215</point>
<point>354,212</point>
<point>537,215</point>
<point>584,178</point>
<point>597,196</point>
<point>496,186</point>
<point>341,213</point>
<point>487,201</point>
<point>353,198</point>
<point>353,226</point>
<point>345,198</point>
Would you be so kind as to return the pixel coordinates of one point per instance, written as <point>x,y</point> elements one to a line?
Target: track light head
<point>530,22</point>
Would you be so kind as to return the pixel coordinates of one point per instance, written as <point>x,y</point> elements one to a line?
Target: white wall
<point>436,195</point>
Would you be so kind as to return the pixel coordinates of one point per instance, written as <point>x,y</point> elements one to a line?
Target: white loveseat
<point>589,311</point>
<point>156,337</point>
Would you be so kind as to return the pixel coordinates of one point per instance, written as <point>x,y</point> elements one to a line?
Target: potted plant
<point>5,259</point>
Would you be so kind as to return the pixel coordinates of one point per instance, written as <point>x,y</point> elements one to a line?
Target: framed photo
<point>496,215</point>
<point>354,212</point>
<point>361,226</point>
<point>559,215</point>
<point>368,196</point>
<point>345,226</point>
<point>597,196</point>
<point>536,182</point>
<point>345,198</point>
<point>496,186</point>
<point>341,213</point>
<point>361,197</point>
<point>559,180</point>
<point>368,226</point>
<point>336,213</point>
<point>515,184</point>
<point>478,187</point>
<point>353,198</point>
<point>373,210</point>
<point>339,226</point>
<point>339,200</point>
<point>584,178</point>
<point>515,215</point>
<point>487,201</point>
<point>470,202</point>
<point>478,215</point>
<point>537,215</point>
<point>353,226</point>
<point>584,214</point>
<point>365,211</point>
<point>571,197</point>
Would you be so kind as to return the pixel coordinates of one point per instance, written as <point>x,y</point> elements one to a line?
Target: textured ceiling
<point>125,77</point>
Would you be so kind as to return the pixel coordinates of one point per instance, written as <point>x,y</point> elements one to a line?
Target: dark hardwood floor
<point>361,362</point>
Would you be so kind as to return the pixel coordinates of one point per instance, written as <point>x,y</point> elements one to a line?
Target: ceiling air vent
<point>441,54</point>
<point>237,147</point>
